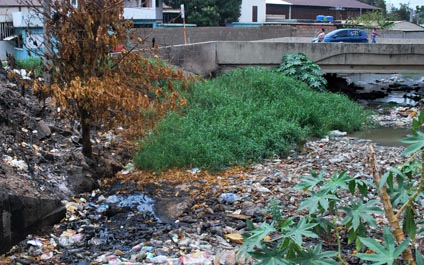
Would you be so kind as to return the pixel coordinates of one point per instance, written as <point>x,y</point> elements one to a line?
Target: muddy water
<point>393,90</point>
<point>384,136</point>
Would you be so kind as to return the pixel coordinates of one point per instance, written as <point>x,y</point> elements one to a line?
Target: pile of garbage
<point>125,223</point>
<point>179,217</point>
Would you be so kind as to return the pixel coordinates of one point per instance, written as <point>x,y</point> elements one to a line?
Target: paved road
<point>379,40</point>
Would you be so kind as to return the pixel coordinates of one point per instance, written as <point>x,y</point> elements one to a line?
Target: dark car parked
<point>345,35</point>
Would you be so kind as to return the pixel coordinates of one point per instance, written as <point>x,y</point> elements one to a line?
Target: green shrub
<point>244,116</point>
<point>300,67</point>
<point>33,64</point>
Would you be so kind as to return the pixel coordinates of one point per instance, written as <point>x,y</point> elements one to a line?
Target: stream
<point>400,89</point>
<point>378,91</point>
<point>386,136</point>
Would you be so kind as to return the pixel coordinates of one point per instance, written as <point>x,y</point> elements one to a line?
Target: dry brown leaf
<point>235,238</point>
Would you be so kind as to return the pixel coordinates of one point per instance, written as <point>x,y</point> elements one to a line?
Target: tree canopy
<point>209,12</point>
<point>370,20</point>
<point>91,85</point>
<point>401,13</point>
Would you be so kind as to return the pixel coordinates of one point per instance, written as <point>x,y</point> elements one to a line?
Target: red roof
<point>332,3</point>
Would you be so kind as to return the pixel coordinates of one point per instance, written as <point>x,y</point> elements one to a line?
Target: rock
<point>169,209</point>
<point>43,130</point>
<point>79,181</point>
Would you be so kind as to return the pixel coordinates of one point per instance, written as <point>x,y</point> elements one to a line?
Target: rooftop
<point>326,3</point>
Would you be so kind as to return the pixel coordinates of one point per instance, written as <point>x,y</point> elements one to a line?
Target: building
<point>144,14</point>
<point>253,11</point>
<point>263,11</point>
<point>12,29</point>
<point>21,30</point>
<point>406,26</point>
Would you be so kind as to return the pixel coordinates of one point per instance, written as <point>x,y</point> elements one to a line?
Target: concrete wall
<point>197,58</point>
<point>396,34</point>
<point>175,36</point>
<point>5,46</point>
<point>19,216</point>
<point>207,58</point>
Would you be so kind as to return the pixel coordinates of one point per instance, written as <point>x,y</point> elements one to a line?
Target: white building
<point>144,12</point>
<point>253,11</point>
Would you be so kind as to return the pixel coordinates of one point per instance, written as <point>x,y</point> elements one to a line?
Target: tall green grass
<point>32,64</point>
<point>244,116</point>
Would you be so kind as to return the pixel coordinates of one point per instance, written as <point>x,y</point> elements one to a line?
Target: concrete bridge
<point>389,56</point>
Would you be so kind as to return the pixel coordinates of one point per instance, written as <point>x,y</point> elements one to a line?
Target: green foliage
<point>299,230</point>
<point>375,19</point>
<point>318,201</point>
<point>274,209</point>
<point>416,141</point>
<point>356,216</point>
<point>359,213</point>
<point>323,195</point>
<point>33,65</point>
<point>309,182</point>
<point>254,239</point>
<point>400,182</point>
<point>409,224</point>
<point>300,67</point>
<point>419,15</point>
<point>399,14</point>
<point>386,254</point>
<point>418,257</point>
<point>417,122</point>
<point>316,256</point>
<point>270,257</point>
<point>244,116</point>
<point>209,12</point>
<point>286,247</point>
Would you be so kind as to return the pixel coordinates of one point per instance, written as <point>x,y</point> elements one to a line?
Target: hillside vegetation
<point>244,116</point>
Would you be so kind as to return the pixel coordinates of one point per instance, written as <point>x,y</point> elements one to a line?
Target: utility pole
<point>184,24</point>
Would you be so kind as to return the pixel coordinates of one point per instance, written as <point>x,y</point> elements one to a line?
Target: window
<point>254,13</point>
<point>6,30</point>
<point>342,33</point>
<point>19,42</point>
<point>355,33</point>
